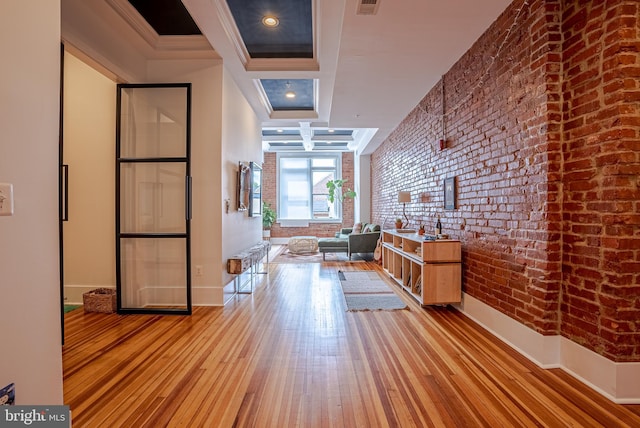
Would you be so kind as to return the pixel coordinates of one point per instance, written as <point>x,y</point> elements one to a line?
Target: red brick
<point>546,155</point>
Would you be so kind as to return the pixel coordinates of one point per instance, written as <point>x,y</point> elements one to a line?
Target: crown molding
<point>232,32</point>
<point>195,43</point>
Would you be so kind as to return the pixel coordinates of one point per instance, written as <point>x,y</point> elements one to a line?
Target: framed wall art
<point>450,193</point>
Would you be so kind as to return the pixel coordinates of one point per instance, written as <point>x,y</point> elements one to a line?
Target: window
<point>302,186</point>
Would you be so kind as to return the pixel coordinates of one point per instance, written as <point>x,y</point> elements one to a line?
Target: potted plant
<point>268,218</point>
<point>398,223</point>
<point>335,190</point>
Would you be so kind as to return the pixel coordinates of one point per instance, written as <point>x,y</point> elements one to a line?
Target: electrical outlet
<point>6,199</point>
<point>199,271</point>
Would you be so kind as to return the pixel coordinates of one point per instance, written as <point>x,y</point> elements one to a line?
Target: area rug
<point>366,291</point>
<point>285,256</point>
<point>69,308</point>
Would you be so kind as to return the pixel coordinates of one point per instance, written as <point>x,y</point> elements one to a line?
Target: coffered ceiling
<point>356,67</point>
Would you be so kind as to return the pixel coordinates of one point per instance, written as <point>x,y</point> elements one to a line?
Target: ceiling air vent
<point>368,7</point>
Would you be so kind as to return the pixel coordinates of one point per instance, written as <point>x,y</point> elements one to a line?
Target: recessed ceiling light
<point>270,21</point>
<point>331,130</point>
<point>290,93</point>
<point>280,130</point>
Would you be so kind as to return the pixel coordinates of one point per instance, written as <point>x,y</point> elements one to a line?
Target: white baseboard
<point>200,296</point>
<point>619,382</point>
<point>73,293</point>
<point>207,296</point>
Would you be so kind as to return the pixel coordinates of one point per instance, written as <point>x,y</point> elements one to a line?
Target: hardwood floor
<point>289,355</point>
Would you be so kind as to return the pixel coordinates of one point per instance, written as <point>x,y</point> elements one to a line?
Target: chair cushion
<point>357,228</point>
<point>371,228</point>
<point>332,242</point>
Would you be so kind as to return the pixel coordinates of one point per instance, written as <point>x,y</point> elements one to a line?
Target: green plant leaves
<point>335,191</point>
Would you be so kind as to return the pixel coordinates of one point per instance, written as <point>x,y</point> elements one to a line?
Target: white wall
<point>206,148</point>
<point>225,130</point>
<point>29,263</point>
<point>241,141</point>
<point>109,44</point>
<point>362,172</point>
<point>89,150</point>
<point>217,107</point>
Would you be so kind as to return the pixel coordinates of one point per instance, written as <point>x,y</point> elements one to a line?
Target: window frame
<point>310,170</point>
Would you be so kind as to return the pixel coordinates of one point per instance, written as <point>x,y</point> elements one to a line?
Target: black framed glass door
<point>153,198</point>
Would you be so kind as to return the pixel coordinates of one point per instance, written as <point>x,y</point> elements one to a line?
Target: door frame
<point>63,191</point>
<point>119,235</point>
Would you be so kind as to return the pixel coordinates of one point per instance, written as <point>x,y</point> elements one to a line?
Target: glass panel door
<point>153,201</point>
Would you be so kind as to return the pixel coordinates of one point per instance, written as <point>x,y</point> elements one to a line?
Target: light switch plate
<point>6,199</point>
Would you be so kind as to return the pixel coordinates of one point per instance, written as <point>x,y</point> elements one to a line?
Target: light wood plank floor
<point>290,355</point>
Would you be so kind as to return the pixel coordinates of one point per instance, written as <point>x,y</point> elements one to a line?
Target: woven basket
<point>100,300</point>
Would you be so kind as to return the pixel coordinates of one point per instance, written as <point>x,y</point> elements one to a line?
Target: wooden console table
<point>429,270</point>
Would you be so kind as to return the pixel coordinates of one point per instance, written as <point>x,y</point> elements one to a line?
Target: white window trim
<point>292,222</point>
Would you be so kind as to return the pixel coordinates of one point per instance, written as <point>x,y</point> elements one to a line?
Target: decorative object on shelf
<point>438,227</point>
<point>450,193</point>
<point>336,191</point>
<point>403,198</point>
<point>398,223</point>
<point>421,230</point>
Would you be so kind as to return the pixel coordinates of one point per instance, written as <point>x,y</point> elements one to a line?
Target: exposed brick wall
<point>498,150</point>
<point>544,148</point>
<point>319,229</point>
<point>601,294</point>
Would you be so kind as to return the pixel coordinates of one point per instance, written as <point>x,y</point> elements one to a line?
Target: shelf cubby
<point>430,271</point>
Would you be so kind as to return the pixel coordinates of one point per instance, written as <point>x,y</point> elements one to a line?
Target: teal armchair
<point>348,242</point>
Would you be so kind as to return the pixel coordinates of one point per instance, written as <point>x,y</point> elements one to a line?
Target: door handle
<point>65,191</point>
<point>188,200</point>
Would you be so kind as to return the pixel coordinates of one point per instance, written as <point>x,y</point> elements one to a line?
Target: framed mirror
<point>255,197</point>
<point>244,186</point>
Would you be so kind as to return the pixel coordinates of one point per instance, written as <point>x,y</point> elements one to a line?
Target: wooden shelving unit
<point>430,271</point>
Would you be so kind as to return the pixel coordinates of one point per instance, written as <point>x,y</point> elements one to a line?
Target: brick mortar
<point>601,245</point>
<point>521,148</point>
